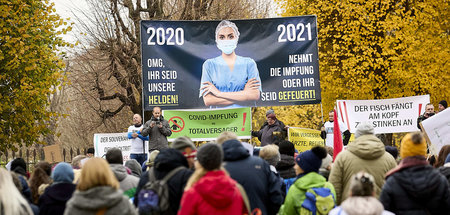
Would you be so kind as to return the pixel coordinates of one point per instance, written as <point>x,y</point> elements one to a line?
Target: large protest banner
<point>208,124</point>
<point>180,57</point>
<point>437,130</point>
<point>104,142</point>
<point>386,115</point>
<point>304,138</point>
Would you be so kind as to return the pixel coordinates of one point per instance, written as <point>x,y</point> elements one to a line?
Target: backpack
<point>153,198</point>
<point>318,200</point>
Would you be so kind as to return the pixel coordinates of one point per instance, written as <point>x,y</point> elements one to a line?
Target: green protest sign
<point>208,124</point>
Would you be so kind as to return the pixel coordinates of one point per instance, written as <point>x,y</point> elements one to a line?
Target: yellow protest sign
<point>304,138</point>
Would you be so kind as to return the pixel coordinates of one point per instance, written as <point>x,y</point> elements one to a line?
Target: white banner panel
<point>103,142</point>
<point>386,115</point>
<point>437,129</point>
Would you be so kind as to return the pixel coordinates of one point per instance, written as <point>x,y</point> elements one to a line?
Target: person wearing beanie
<point>263,188</point>
<point>367,153</point>
<point>307,166</point>
<point>210,190</point>
<point>54,199</point>
<point>273,130</point>
<point>442,105</point>
<point>128,183</point>
<point>429,112</point>
<point>361,199</point>
<point>186,146</point>
<point>137,150</point>
<point>166,161</point>
<point>415,187</point>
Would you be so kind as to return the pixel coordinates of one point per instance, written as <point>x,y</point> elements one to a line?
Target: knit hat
<point>443,103</point>
<point>210,156</point>
<point>286,148</point>
<point>181,143</point>
<point>63,172</point>
<point>114,156</point>
<point>363,129</point>
<point>311,160</point>
<point>392,150</point>
<point>413,144</point>
<point>270,111</point>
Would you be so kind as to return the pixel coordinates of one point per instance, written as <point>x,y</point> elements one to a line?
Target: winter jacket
<point>360,205</point>
<point>263,188</point>
<point>296,194</point>
<point>55,197</point>
<point>128,183</point>
<point>366,153</point>
<point>167,160</point>
<point>97,198</point>
<point>285,166</point>
<point>157,136</point>
<point>214,193</point>
<point>266,131</point>
<point>415,187</point>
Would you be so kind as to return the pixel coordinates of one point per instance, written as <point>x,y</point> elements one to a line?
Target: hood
<point>61,192</point>
<point>367,147</point>
<point>310,180</point>
<point>286,162</point>
<point>420,182</point>
<point>134,166</point>
<point>233,150</point>
<point>119,171</point>
<point>362,205</point>
<point>97,197</point>
<point>217,189</point>
<point>167,160</point>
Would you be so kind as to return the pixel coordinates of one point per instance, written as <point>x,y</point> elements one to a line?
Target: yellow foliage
<point>29,69</point>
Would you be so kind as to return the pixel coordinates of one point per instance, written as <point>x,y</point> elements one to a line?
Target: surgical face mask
<point>227,46</point>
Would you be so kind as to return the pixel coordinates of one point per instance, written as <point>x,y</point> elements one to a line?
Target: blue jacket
<point>263,188</point>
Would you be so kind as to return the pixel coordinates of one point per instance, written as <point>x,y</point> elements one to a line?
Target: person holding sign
<point>229,80</point>
<point>327,131</point>
<point>429,112</point>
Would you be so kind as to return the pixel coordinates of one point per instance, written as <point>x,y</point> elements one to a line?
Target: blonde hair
<point>96,172</point>
<point>226,135</point>
<point>76,161</point>
<point>270,154</point>
<point>11,200</point>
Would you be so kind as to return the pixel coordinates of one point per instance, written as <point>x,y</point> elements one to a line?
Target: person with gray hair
<point>229,80</point>
<point>366,153</point>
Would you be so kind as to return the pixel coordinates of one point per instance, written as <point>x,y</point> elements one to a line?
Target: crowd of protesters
<point>228,176</point>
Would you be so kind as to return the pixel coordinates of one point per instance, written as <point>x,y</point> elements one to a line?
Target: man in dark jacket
<point>429,112</point>
<point>157,129</point>
<point>414,187</point>
<point>272,130</point>
<point>262,187</point>
<point>166,161</point>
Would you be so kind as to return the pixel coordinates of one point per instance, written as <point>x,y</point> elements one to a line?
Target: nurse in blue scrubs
<point>229,80</point>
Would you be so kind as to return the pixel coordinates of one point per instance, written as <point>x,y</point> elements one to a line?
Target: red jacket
<point>215,193</point>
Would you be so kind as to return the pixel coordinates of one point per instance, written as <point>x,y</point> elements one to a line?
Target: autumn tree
<point>30,69</point>
<point>379,49</point>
